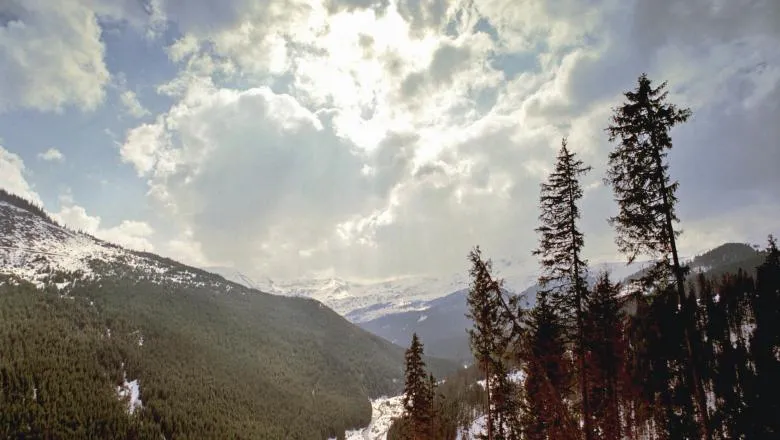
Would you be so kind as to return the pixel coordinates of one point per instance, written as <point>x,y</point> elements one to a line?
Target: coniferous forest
<point>668,354</point>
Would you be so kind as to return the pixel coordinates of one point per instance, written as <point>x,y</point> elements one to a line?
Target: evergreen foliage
<point>419,392</point>
<point>59,370</point>
<point>605,351</point>
<point>765,343</point>
<point>212,364</point>
<point>491,341</point>
<point>548,378</point>
<point>564,271</point>
<point>22,203</point>
<point>639,175</point>
<point>457,402</point>
<point>221,361</point>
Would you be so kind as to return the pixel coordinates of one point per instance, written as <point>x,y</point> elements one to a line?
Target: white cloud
<point>52,155</point>
<point>51,55</point>
<point>131,104</point>
<point>185,249</point>
<point>129,233</point>
<point>12,177</point>
<point>279,171</point>
<point>76,217</point>
<point>142,145</point>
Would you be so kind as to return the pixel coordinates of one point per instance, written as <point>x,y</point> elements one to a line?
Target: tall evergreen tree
<point>490,338</point>
<point>639,175</point>
<point>564,271</point>
<point>418,394</point>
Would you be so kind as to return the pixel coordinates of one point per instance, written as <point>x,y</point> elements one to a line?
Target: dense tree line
<point>456,403</point>
<point>668,354</point>
<point>59,369</point>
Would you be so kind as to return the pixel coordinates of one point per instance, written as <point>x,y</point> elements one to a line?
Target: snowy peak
<point>361,302</point>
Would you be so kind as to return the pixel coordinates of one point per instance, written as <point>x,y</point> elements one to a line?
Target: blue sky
<point>374,138</point>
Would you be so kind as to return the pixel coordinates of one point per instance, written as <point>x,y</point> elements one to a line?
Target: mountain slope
<point>726,258</point>
<point>211,358</point>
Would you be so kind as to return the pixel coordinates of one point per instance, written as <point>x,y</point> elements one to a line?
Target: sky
<point>370,139</point>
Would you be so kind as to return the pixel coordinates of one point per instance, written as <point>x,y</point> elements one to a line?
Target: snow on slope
<point>39,251</point>
<point>478,427</point>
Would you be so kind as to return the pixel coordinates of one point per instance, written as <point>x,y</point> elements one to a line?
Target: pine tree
<point>564,271</point>
<point>490,339</point>
<point>545,414</point>
<point>639,176</point>
<point>606,352</point>
<point>418,394</point>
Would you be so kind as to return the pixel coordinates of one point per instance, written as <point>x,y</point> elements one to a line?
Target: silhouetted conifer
<point>564,271</point>
<point>639,176</point>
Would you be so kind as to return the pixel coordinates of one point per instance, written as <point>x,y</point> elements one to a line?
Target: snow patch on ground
<point>383,411</point>
<point>479,426</point>
<point>130,393</point>
<point>516,376</point>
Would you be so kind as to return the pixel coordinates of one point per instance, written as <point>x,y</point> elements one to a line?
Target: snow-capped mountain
<point>361,302</point>
<point>364,301</point>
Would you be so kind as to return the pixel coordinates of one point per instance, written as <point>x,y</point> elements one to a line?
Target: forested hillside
<point>212,359</point>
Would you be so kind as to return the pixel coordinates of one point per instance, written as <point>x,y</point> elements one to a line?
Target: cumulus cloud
<point>283,177</point>
<point>142,146</point>
<point>12,177</point>
<point>52,155</point>
<point>76,217</point>
<point>129,233</point>
<point>51,56</point>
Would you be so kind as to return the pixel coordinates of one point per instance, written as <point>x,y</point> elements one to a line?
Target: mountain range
<point>442,322</point>
<point>435,307</point>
